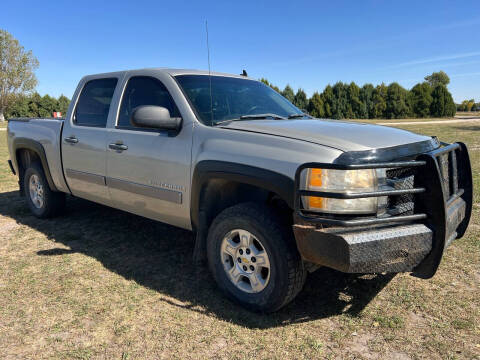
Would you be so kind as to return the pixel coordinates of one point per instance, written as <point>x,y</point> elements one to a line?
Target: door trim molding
<point>85,176</point>
<point>145,190</point>
<point>128,186</point>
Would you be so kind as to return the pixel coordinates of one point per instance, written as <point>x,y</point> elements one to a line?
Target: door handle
<point>118,147</point>
<point>71,140</point>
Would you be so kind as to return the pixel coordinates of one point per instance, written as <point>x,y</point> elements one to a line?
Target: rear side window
<point>144,90</point>
<point>94,102</point>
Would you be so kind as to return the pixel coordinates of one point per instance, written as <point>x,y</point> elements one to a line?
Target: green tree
<point>438,78</point>
<point>357,107</point>
<point>288,93</point>
<point>366,97</point>
<point>300,100</point>
<point>470,105</point>
<point>341,107</point>
<point>34,105</point>
<point>397,102</point>
<point>442,102</point>
<point>17,68</point>
<point>266,82</point>
<point>315,106</point>
<point>63,103</point>
<point>463,105</point>
<point>47,106</point>
<point>18,107</point>
<point>421,99</point>
<point>380,101</point>
<point>328,101</point>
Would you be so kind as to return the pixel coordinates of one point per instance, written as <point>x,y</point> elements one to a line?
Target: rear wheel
<point>253,257</point>
<point>42,201</point>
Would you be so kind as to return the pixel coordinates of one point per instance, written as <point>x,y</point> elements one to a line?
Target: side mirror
<point>154,117</point>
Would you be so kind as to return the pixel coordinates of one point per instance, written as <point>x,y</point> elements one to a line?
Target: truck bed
<point>45,131</point>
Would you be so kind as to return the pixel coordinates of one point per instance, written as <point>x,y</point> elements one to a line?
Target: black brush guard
<point>442,191</point>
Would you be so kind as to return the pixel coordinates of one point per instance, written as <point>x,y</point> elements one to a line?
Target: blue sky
<point>305,44</point>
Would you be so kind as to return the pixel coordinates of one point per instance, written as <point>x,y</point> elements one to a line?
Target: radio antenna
<point>209,74</point>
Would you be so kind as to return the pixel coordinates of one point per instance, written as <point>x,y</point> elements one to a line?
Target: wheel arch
<point>27,151</point>
<point>217,185</point>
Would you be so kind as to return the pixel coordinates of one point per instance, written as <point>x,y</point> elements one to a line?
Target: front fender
<point>268,180</point>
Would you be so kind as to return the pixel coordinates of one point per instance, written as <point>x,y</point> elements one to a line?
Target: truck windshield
<point>234,99</point>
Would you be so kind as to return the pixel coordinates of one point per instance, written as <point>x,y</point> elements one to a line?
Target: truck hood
<point>341,135</point>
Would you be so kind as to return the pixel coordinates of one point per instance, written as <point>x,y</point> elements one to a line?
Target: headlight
<point>344,181</point>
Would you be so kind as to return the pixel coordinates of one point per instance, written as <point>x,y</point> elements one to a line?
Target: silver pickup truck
<point>269,192</point>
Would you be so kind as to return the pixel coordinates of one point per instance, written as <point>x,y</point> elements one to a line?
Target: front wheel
<point>253,257</point>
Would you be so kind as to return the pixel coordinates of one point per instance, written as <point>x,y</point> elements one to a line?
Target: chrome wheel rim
<point>245,261</point>
<point>36,191</point>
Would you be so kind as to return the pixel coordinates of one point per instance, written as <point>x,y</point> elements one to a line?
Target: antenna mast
<point>209,74</point>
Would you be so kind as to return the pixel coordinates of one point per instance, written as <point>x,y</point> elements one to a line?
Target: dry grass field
<point>457,118</point>
<point>99,283</point>
<point>468,113</point>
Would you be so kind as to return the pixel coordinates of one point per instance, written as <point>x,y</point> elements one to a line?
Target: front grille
<point>401,179</point>
<point>404,178</point>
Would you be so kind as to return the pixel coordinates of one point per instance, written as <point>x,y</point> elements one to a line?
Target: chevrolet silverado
<point>269,192</point>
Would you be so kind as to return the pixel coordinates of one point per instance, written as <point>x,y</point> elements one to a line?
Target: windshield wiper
<point>296,116</point>
<point>262,116</point>
<point>251,117</point>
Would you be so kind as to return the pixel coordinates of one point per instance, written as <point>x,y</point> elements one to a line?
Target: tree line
<point>34,105</point>
<point>430,98</point>
<point>468,105</point>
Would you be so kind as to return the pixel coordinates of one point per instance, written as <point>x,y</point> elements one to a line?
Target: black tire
<point>53,202</point>
<point>287,273</point>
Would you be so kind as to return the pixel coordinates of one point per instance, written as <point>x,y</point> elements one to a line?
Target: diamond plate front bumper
<point>393,249</point>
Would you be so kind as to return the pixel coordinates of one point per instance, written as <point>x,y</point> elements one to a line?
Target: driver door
<point>148,170</point>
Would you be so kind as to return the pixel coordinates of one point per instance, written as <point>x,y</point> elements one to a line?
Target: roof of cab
<point>173,72</point>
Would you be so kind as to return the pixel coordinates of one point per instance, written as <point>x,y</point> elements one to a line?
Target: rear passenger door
<point>148,170</point>
<point>84,140</point>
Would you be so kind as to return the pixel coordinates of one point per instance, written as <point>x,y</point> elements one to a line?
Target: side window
<point>94,102</point>
<point>144,90</point>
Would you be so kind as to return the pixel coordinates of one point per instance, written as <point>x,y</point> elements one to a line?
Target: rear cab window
<point>94,103</point>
